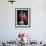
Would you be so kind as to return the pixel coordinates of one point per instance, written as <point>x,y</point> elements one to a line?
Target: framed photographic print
<point>22,17</point>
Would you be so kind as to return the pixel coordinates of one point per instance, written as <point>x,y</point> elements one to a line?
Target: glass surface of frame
<point>22,17</point>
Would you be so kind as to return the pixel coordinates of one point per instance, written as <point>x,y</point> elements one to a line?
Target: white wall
<point>8,31</point>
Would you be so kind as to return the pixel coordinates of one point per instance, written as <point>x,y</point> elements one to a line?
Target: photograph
<point>22,22</point>
<point>22,17</point>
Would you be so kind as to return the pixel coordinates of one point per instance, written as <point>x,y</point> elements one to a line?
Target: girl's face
<point>24,14</point>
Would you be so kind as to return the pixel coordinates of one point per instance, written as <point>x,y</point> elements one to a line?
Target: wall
<point>8,31</point>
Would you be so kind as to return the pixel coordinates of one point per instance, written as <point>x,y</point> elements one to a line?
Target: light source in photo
<point>12,1</point>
